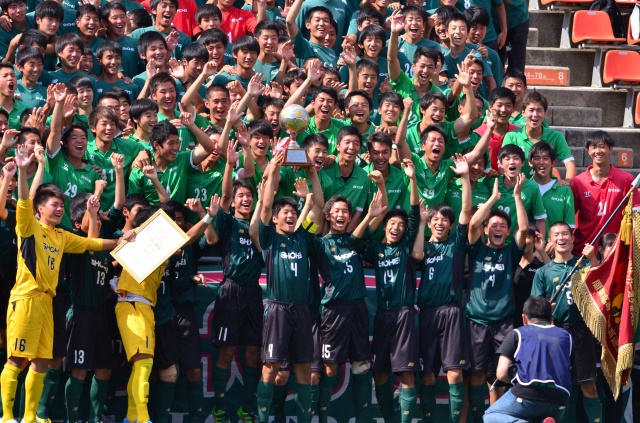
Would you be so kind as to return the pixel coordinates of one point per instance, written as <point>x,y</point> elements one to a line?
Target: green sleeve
<point>537,204</point>
<point>509,138</point>
<point>265,234</point>
<point>202,122</point>
<point>401,85</point>
<point>136,182</point>
<point>537,289</point>
<point>569,208</point>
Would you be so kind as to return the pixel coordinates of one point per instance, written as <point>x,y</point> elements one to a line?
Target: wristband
<point>207,219</point>
<point>394,146</point>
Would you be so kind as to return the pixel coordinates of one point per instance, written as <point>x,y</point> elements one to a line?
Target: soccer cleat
<point>45,420</point>
<point>247,417</point>
<point>126,420</point>
<point>219,416</point>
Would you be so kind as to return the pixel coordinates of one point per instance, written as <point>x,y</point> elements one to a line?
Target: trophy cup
<point>293,120</point>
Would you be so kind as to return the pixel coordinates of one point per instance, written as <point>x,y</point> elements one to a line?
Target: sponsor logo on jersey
<point>240,231</point>
<point>615,190</point>
<point>238,19</point>
<point>50,248</point>
<point>411,364</point>
<point>556,279</point>
<point>245,241</point>
<point>181,11</point>
<point>291,256</point>
<point>283,245</point>
<point>389,263</point>
<point>557,199</point>
<point>587,194</point>
<point>128,49</point>
<point>359,187</point>
<point>488,267</point>
<point>432,260</point>
<point>345,256</point>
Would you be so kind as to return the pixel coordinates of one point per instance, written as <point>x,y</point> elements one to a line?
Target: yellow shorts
<point>136,324</point>
<point>30,327</point>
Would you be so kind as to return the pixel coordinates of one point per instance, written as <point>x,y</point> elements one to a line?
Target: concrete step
<point>547,75</point>
<point>551,22</point>
<point>627,144</point>
<point>532,39</point>
<point>609,100</point>
<point>620,157</point>
<point>580,61</point>
<point>574,116</point>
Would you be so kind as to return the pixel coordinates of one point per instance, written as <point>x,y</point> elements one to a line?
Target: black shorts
<point>395,341</point>
<point>287,333</point>
<point>484,341</point>
<point>316,364</point>
<point>443,339</point>
<point>166,353</point>
<point>87,347</point>
<point>7,280</point>
<point>237,317</point>
<point>345,333</point>
<point>59,327</point>
<point>583,359</point>
<point>186,327</point>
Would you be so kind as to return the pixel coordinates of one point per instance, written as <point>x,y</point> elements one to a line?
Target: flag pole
<point>566,280</point>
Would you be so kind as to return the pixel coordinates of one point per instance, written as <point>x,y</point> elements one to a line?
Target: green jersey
<point>72,181</point>
<point>62,77</point>
<point>520,138</point>
<point>558,202</point>
<point>46,179</point>
<point>203,185</point>
<point>187,139</point>
<point>7,36</point>
<point>183,41</point>
<point>395,269</point>
<point>287,261</point>
<point>91,271</point>
<point>452,144</point>
<point>163,311</point>
<point>272,14</point>
<point>397,193</point>
<point>102,159</point>
<point>224,77</point>
<point>288,177</point>
<point>268,70</point>
<point>240,258</point>
<point>406,51</point>
<point>441,270</point>
<point>341,270</point>
<point>32,97</point>
<point>546,283</point>
<point>355,187</point>
<point>453,113</point>
<point>432,186</point>
<point>531,199</point>
<point>517,12</point>
<point>490,285</point>
<point>15,113</point>
<point>173,178</point>
<point>479,195</point>
<point>305,49</point>
<point>331,132</point>
<point>8,241</point>
<point>184,292</point>
<point>103,86</point>
<point>450,65</point>
<point>131,62</point>
<point>405,87</point>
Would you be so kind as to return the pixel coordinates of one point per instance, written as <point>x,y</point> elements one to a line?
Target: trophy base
<point>296,157</point>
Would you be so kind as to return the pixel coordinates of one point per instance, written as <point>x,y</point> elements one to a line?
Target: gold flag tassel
<point>626,226</point>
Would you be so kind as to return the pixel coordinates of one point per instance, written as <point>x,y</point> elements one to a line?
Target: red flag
<point>608,297</point>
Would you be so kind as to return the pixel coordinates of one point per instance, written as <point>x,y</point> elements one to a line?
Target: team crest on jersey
<point>241,231</point>
<point>556,279</point>
<point>487,258</point>
<point>283,245</point>
<point>380,255</point>
<point>333,250</point>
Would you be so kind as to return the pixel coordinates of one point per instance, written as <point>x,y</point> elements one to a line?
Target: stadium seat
<point>567,6</point>
<point>637,116</point>
<point>593,26</point>
<point>621,69</point>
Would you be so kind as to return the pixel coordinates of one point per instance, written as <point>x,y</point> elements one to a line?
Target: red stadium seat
<point>621,66</point>
<point>593,26</point>
<point>637,116</point>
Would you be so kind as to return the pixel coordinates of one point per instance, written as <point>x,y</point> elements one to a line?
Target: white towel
<point>635,22</point>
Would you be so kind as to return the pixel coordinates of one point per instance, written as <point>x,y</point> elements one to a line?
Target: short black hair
<point>360,93</point>
<point>33,36</point>
<point>161,132</point>
<point>81,81</point>
<point>246,42</point>
<point>208,10</point>
<point>281,203</point>
<point>542,147</point>
<point>122,94</point>
<point>401,213</point>
<point>432,128</point>
<point>534,97</point>
<point>108,47</point>
<point>266,26</point>
<point>337,199</point>
<point>141,18</point>
<point>428,52</point>
<point>239,183</point>
<point>133,200</point>
<point>349,130</point>
<point>499,213</point>
<point>444,13</point>
<point>260,127</point>
<point>515,74</point>
<point>501,92</point>
<point>537,308</point>
<point>367,64</point>
<point>369,13</point>
<point>444,209</point>
<point>213,35</point>
<point>379,137</point>
<point>78,206</point>
<point>217,88</point>
<point>140,106</point>
<point>429,98</point>
<point>161,78</point>
<point>597,136</point>
<point>68,130</point>
<point>317,9</point>
<point>477,15</point>
<point>111,6</point>
<point>45,192</point>
<point>392,97</point>
<point>147,38</point>
<point>85,9</point>
<point>375,31</point>
<point>292,75</point>
<point>52,10</point>
<point>316,138</point>
<point>275,102</point>
<point>28,53</point>
<point>510,149</point>
<point>69,38</point>
<point>325,89</point>
<point>26,130</point>
<point>102,112</point>
<point>195,51</point>
<point>4,4</point>
<point>154,3</point>
<point>415,9</point>
<point>108,94</point>
<point>457,17</point>
<point>561,223</point>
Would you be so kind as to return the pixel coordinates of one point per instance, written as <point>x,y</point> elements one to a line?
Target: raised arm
<point>313,75</point>
<point>227,178</point>
<point>22,160</point>
<point>270,187</point>
<point>55,134</point>
<point>38,152</point>
<point>462,125</point>
<point>199,228</point>
<point>8,172</point>
<point>481,147</point>
<point>117,161</point>
<point>404,152</point>
<point>9,139</point>
<point>476,224</point>
<point>248,167</point>
<point>255,89</point>
<point>187,100</point>
<point>150,172</point>
<point>318,196</point>
<point>378,179</point>
<point>205,144</point>
<point>292,26</point>
<point>93,207</point>
<point>375,210</point>
<point>255,219</point>
<point>462,169</point>
<point>233,116</point>
<point>418,245</point>
<point>410,171</point>
<point>397,25</point>
<point>523,221</point>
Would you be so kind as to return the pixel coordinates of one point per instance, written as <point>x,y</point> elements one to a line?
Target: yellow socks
<point>8,386</point>
<point>33,385</point>
<point>132,411</point>
<point>140,387</point>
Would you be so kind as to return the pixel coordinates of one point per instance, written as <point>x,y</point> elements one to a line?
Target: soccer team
<point>428,163</point>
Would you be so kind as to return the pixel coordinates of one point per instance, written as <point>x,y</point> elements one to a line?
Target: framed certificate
<point>156,240</point>
<point>296,157</point>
